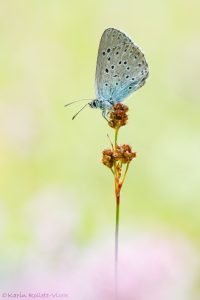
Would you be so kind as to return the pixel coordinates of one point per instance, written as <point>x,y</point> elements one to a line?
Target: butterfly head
<point>94,103</point>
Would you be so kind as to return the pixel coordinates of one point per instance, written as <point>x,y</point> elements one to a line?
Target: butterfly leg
<point>106,107</point>
<point>105,114</point>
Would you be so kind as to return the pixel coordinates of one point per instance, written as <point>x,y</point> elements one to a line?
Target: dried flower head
<point>108,159</point>
<point>118,116</point>
<point>124,153</point>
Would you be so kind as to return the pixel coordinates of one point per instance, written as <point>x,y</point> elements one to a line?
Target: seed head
<point>108,159</point>
<point>118,116</point>
<point>124,153</point>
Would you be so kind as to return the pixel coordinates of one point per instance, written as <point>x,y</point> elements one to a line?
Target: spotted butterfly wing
<point>121,67</point>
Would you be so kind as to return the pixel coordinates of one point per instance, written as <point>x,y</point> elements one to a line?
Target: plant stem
<point>125,174</point>
<point>116,135</point>
<point>117,194</point>
<point>116,246</point>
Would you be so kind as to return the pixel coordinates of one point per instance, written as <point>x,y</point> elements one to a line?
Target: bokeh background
<point>57,205</point>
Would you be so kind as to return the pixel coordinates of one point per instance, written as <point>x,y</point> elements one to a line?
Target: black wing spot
<point>139,65</point>
<point>125,62</point>
<point>112,67</point>
<point>127,76</point>
<point>120,62</point>
<point>106,70</point>
<point>117,53</point>
<point>115,75</point>
<point>108,50</point>
<point>108,58</point>
<point>130,87</point>
<point>104,53</point>
<point>117,83</point>
<point>106,84</point>
<point>133,78</point>
<point>128,68</point>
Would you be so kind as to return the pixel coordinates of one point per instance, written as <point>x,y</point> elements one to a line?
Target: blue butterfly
<point>121,69</point>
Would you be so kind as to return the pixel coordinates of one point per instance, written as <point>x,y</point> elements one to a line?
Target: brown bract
<point>118,116</point>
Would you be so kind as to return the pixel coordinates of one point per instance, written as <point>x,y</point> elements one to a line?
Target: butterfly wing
<point>121,66</point>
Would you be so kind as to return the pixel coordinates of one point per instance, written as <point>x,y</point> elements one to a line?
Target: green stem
<point>116,244</point>
<point>126,170</point>
<point>117,193</point>
<point>116,135</point>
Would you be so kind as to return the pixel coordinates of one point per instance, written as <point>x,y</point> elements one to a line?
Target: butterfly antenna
<point>77,101</point>
<point>79,111</point>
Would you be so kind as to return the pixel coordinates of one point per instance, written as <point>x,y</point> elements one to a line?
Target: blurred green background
<point>48,57</point>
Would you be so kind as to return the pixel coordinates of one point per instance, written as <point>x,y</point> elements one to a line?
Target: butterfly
<point>121,70</point>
